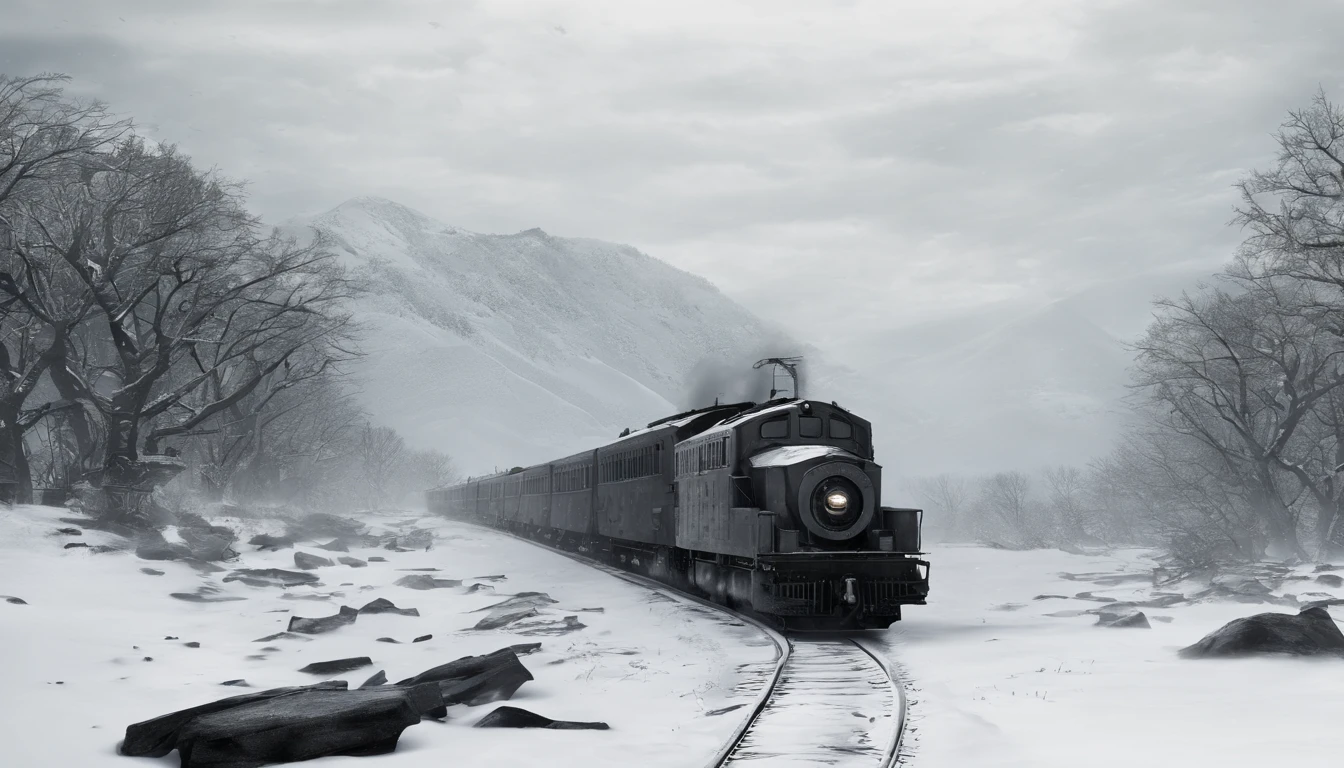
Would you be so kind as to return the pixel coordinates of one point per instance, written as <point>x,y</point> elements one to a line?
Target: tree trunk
<point>1282,529</point>
<point>15,485</point>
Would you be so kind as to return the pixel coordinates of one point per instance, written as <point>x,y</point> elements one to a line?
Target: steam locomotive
<point>772,509</point>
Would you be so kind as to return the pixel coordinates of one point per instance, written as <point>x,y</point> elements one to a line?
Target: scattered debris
<point>563,627</point>
<point>387,640</point>
<point>422,638</point>
<point>206,594</point>
<point>513,717</point>
<point>154,572</point>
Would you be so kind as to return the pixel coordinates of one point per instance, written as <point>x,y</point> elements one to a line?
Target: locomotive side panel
<point>534,497</point>
<point>707,521</point>
<point>572,495</point>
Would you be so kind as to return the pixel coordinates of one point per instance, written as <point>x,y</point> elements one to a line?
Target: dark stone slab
<point>353,562</point>
<point>15,600</point>
<point>282,636</point>
<point>474,680</point>
<point>151,571</point>
<point>239,683</point>
<point>206,594</point>
<point>1136,620</point>
<point>309,562</point>
<point>82,545</point>
<point>346,615</point>
<point>513,717</point>
<point>422,638</point>
<point>1309,633</point>
<point>1328,579</point>
<point>271,577</point>
<point>379,678</point>
<point>335,545</point>
<point>302,727</point>
<point>377,559</point>
<point>337,666</point>
<point>387,640</point>
<point>158,736</point>
<point>267,541</point>
<point>425,581</point>
<point>69,532</point>
<point>563,627</point>
<point>383,605</point>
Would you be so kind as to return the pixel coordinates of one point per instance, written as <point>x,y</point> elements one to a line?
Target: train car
<point>774,509</point>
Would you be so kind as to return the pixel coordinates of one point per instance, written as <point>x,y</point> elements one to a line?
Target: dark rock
<point>353,562</point>
<point>269,648</point>
<point>383,605</point>
<point>1328,579</point>
<point>379,678</point>
<point>209,543</point>
<point>474,588</point>
<point>1051,597</point>
<point>1324,603</point>
<point>271,577</point>
<point>15,600</point>
<point>1310,632</point>
<point>149,658</point>
<point>206,594</point>
<point>563,627</point>
<point>193,644</point>
<point>506,616</point>
<point>1136,620</point>
<point>154,572</point>
<point>335,545</point>
<point>1094,598</point>
<point>417,569</point>
<point>534,599</point>
<point>1323,567</point>
<point>311,596</point>
<point>170,637</point>
<point>321,525</point>
<point>346,615</point>
<point>523,649</point>
<point>724,710</point>
<point>267,541</point>
<point>422,638</point>
<point>388,640</point>
<point>308,562</point>
<point>376,559</point>
<point>283,636</point>
<point>154,547</point>
<point>99,549</point>
<point>474,680</point>
<point>297,725</point>
<point>239,683</point>
<point>500,577</point>
<point>425,581</point>
<point>337,666</point>
<point>78,544</point>
<point>513,717</point>
<point>69,532</point>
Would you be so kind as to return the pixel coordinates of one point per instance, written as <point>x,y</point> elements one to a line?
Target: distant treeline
<point>1239,392</point>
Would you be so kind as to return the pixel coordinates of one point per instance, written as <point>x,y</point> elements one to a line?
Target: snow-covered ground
<point>996,681</point>
<point>76,674</point>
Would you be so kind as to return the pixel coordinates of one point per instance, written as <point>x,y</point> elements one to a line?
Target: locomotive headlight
<point>837,503</point>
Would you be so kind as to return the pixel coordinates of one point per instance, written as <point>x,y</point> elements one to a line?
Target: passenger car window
<point>841,429</point>
<point>809,426</point>
<point>775,428</point>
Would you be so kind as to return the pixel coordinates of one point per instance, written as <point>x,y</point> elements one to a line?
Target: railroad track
<point>832,700</point>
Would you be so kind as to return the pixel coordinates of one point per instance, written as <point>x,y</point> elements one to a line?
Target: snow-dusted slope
<point>513,349</point>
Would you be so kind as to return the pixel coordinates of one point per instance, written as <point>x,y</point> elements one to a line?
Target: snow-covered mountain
<point>511,349</point>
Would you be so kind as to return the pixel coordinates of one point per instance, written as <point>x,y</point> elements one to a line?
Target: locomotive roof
<point>760,410</point>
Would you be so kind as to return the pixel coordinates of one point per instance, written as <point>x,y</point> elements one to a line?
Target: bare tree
<point>1067,491</point>
<point>379,452</point>
<point>1007,495</point>
<point>947,495</point>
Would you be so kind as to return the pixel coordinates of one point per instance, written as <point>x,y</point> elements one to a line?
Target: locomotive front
<point>829,554</point>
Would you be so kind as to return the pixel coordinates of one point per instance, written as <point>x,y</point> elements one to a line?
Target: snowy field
<point>994,678</point>
<point>997,681</point>
<point>76,672</point>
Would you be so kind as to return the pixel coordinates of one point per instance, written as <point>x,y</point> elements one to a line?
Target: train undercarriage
<point>797,591</point>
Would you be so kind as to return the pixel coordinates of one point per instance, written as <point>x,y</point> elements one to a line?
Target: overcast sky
<point>825,163</point>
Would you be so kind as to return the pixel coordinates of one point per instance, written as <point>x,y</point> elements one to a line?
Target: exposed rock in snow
<point>378,678</point>
<point>337,666</point>
<point>271,577</point>
<point>514,717</point>
<point>502,617</point>
<point>383,605</point>
<point>1135,620</point>
<point>377,559</point>
<point>388,640</point>
<point>267,541</point>
<point>425,581</point>
<point>1330,580</point>
<point>15,600</point>
<point>422,638</point>
<point>475,680</point>
<point>1310,632</point>
<point>335,545</point>
<point>303,725</point>
<point>69,532</point>
<point>563,627</point>
<point>353,562</point>
<point>346,615</point>
<point>284,636</point>
<point>310,562</point>
<point>80,544</point>
<point>154,572</point>
<point>206,594</point>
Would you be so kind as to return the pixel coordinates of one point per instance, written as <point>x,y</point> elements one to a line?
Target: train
<point>772,509</point>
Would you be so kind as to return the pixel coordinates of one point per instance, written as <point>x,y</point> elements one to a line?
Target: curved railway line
<point>831,701</point>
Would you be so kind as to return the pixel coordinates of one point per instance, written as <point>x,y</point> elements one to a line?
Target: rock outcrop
<point>1309,633</point>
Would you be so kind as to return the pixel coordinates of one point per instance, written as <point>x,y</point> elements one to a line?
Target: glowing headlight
<point>837,503</point>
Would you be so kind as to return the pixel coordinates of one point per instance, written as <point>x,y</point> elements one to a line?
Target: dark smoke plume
<point>731,379</point>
